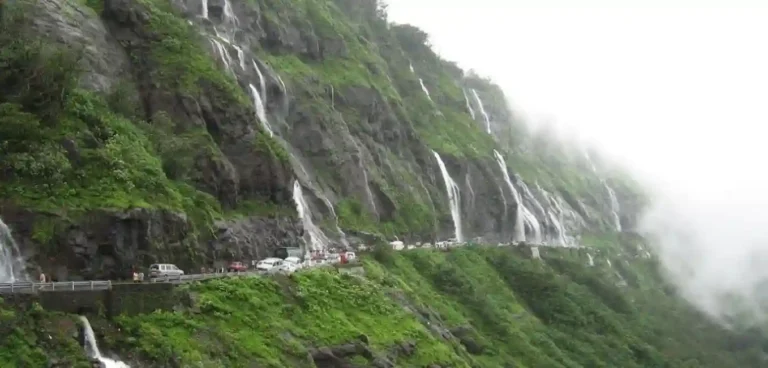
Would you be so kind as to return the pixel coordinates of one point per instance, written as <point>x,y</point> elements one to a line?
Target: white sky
<point>677,92</point>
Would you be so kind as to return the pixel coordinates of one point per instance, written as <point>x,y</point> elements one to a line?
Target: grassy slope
<point>559,313</point>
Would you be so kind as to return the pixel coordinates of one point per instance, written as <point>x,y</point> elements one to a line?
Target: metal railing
<point>34,287</point>
<point>97,285</point>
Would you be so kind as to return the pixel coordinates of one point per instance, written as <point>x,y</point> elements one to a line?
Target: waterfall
<point>591,260</point>
<point>421,82</point>
<point>223,54</point>
<point>560,231</point>
<point>589,160</point>
<point>609,263</point>
<point>229,14</point>
<point>519,233</point>
<point>342,235</point>
<point>92,349</point>
<point>259,107</point>
<point>554,212</point>
<point>11,262</point>
<point>530,218</point>
<point>614,206</point>
<point>482,112</point>
<point>240,56</point>
<point>317,240</point>
<point>424,88</point>
<point>262,82</point>
<point>469,106</point>
<point>368,191</point>
<point>454,197</point>
<point>468,182</point>
<point>205,9</point>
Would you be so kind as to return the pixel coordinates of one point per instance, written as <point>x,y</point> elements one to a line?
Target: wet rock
<point>73,23</point>
<point>255,238</point>
<point>468,337</point>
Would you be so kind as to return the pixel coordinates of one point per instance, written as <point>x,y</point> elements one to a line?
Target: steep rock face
<point>212,160</point>
<point>341,91</point>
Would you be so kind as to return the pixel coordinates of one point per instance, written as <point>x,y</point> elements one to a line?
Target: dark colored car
<point>237,267</point>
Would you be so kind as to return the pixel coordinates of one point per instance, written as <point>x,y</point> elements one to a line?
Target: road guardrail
<point>97,285</point>
<point>34,287</point>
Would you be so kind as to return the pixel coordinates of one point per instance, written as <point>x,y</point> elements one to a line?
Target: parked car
<point>237,267</point>
<point>268,264</point>
<point>351,256</point>
<point>164,270</point>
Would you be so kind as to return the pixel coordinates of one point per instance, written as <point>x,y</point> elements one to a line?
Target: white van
<point>268,264</point>
<point>164,270</point>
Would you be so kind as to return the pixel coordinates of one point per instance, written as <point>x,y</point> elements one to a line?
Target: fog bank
<point>673,92</point>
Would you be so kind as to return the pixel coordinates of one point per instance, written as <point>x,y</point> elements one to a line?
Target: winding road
<point>97,285</point>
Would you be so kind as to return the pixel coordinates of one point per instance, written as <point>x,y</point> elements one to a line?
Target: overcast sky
<point>677,89</point>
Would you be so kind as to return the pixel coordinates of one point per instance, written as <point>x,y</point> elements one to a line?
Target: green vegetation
<point>69,151</point>
<point>31,335</point>
<point>502,308</point>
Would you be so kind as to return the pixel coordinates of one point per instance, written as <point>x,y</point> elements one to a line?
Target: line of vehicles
<point>285,260</point>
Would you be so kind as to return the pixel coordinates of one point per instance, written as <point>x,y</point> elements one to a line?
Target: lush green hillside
<point>471,307</point>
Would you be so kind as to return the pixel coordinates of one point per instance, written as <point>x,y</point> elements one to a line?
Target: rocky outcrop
<point>254,238</point>
<point>338,356</point>
<point>103,244</point>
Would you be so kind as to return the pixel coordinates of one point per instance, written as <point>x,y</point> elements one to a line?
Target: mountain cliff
<point>202,131</point>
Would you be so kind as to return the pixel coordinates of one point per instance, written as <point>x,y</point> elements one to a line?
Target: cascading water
<point>223,54</point>
<point>240,56</point>
<point>368,191</point>
<point>531,219</point>
<point>92,348</point>
<point>260,112</point>
<point>421,82</point>
<point>468,182</point>
<point>225,35</point>
<point>591,260</point>
<point>229,15</point>
<point>614,206</point>
<point>262,83</point>
<point>486,118</point>
<point>342,235</point>
<point>11,263</point>
<point>555,213</point>
<point>317,240</point>
<point>533,224</point>
<point>454,197</point>
<point>519,233</point>
<point>469,105</point>
<point>424,88</point>
<point>204,9</point>
<point>560,236</point>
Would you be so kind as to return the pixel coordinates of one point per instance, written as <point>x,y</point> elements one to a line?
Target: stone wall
<point>122,299</point>
<point>142,298</point>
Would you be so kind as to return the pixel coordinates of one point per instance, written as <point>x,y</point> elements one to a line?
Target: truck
<point>285,252</point>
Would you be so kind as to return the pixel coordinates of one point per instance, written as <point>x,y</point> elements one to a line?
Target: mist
<point>672,91</point>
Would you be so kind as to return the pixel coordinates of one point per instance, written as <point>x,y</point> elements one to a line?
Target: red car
<point>237,267</point>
